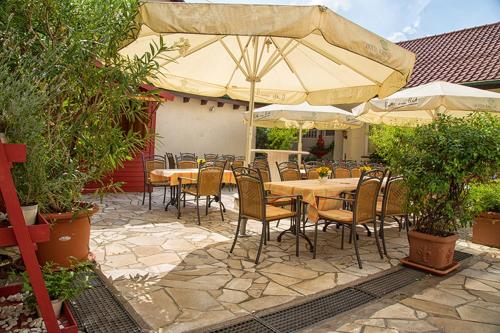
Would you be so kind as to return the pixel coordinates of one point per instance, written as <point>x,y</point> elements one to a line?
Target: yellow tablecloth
<point>309,189</point>
<point>173,175</point>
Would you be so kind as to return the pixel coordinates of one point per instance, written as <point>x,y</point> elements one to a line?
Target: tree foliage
<point>439,161</point>
<point>66,53</point>
<point>282,138</point>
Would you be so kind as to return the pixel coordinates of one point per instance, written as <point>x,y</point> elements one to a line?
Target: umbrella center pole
<point>251,107</point>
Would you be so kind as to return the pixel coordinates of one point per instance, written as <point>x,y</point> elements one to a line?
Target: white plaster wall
<point>192,128</point>
<point>356,144</point>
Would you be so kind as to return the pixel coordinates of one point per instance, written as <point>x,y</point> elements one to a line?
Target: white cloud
<point>409,31</point>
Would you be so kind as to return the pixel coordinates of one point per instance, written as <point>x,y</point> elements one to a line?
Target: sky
<point>399,20</point>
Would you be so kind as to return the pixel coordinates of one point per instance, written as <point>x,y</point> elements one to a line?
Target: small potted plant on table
<point>438,162</point>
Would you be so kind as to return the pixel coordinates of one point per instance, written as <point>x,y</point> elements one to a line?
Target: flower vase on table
<point>323,173</point>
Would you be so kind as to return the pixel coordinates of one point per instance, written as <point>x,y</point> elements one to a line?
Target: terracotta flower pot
<point>69,238</point>
<point>431,251</point>
<point>486,229</point>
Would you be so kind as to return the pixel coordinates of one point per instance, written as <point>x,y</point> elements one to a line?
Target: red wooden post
<point>24,241</point>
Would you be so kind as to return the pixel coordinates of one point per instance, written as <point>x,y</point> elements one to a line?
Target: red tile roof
<point>462,56</point>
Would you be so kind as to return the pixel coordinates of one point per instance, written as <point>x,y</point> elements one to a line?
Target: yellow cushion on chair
<point>339,215</point>
<point>277,213</point>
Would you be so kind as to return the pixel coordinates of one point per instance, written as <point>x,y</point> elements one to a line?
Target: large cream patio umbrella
<point>420,105</point>
<point>303,116</point>
<point>269,54</point>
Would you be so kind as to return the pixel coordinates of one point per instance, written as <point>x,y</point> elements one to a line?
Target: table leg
<point>243,228</point>
<point>173,197</point>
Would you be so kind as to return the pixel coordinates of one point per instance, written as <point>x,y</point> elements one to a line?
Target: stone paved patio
<point>179,276</point>
<point>468,301</point>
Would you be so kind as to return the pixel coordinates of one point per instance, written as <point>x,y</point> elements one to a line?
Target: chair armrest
<point>297,197</point>
<point>187,178</point>
<point>318,197</point>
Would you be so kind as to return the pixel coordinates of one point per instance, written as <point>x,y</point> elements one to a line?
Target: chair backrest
<point>289,171</point>
<point>355,172</point>
<point>210,179</point>
<point>365,202</point>
<point>219,163</point>
<point>238,163</point>
<point>395,195</point>
<point>211,157</point>
<point>188,157</point>
<point>228,157</point>
<point>250,192</point>
<point>171,160</point>
<point>263,166</point>
<point>182,164</point>
<point>341,172</point>
<point>150,163</point>
<point>311,169</point>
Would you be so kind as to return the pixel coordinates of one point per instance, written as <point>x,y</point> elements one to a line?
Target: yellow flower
<point>365,168</point>
<point>323,171</point>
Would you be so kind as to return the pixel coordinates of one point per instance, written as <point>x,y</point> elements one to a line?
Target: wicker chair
<point>211,157</point>
<point>289,171</point>
<point>171,160</point>
<point>228,157</point>
<point>149,164</point>
<point>355,172</point>
<point>186,162</point>
<point>310,168</point>
<point>208,183</point>
<point>392,205</point>
<point>253,204</point>
<point>341,172</point>
<point>239,161</point>
<point>188,157</point>
<point>363,211</point>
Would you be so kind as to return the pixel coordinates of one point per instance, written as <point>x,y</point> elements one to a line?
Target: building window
<point>329,133</point>
<point>311,134</point>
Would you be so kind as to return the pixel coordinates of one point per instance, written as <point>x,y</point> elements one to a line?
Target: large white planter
<point>29,213</point>
<point>57,306</point>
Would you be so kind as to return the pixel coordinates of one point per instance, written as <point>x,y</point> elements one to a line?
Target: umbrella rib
<point>273,62</point>
<point>193,50</point>
<point>337,61</point>
<point>244,53</point>
<point>289,64</point>
<point>238,63</point>
<point>236,68</point>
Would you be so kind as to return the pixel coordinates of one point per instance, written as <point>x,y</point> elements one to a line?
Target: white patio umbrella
<point>303,116</point>
<point>269,54</point>
<point>420,105</point>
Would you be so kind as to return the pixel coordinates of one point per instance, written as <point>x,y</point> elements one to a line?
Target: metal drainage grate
<point>459,255</point>
<point>247,326</point>
<point>316,310</point>
<point>388,283</point>
<point>97,310</point>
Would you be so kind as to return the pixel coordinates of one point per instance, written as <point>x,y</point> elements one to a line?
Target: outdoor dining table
<point>173,175</point>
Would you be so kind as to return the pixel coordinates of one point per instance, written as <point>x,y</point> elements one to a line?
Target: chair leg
<point>268,231</point>
<point>262,240</point>
<point>297,230</point>
<point>184,201</point>
<point>375,234</point>
<point>150,193</point>
<point>221,211</point>
<point>206,205</point>
<point>236,234</point>
<point>144,195</point>
<point>356,249</point>
<point>315,239</point>
<point>381,233</point>
<point>198,209</point>
<point>342,241</point>
<point>326,226</point>
<point>278,223</point>
<point>368,232</point>
<point>164,194</point>
<point>350,235</point>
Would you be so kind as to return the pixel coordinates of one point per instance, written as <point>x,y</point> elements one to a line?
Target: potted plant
<point>77,121</point>
<point>62,284</point>
<point>438,162</point>
<point>484,200</point>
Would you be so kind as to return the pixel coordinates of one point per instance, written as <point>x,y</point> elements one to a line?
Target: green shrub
<point>438,162</point>
<point>484,198</point>
<point>53,47</point>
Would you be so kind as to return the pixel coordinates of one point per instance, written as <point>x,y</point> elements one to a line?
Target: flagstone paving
<point>179,276</point>
<point>468,301</point>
